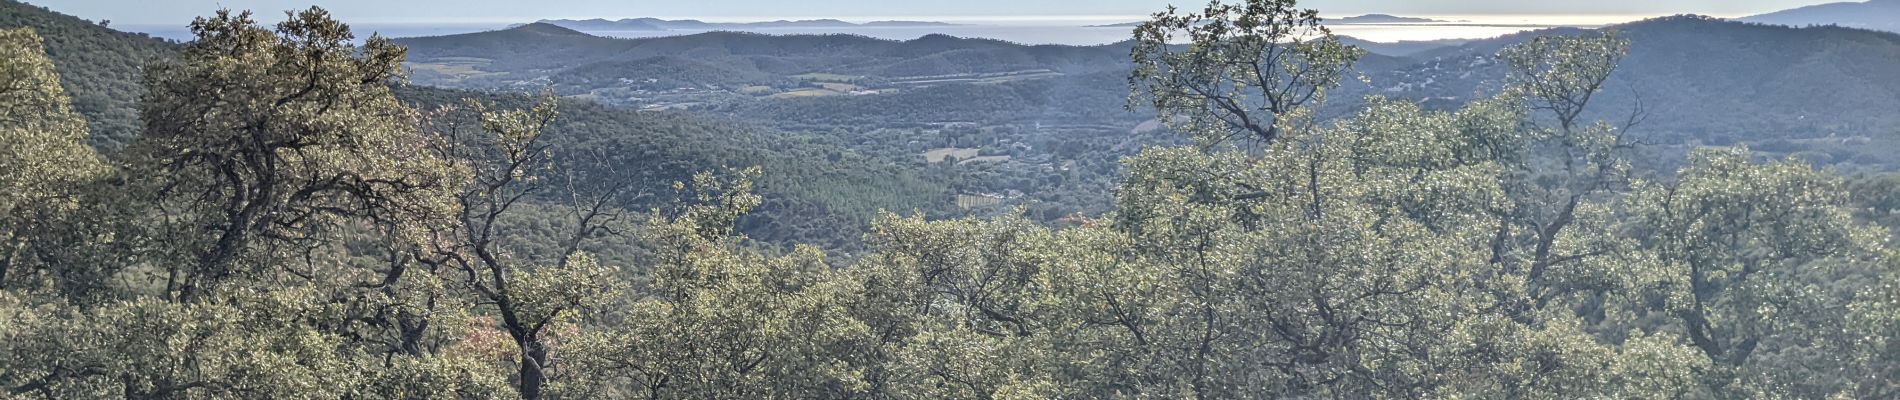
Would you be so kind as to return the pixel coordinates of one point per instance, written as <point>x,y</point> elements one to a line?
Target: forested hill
<point>843,122</point>
<point>578,63</point>
<point>1402,49</point>
<point>545,46</point>
<point>1707,79</point>
<point>545,50</point>
<point>1700,78</point>
<point>1049,122</point>
<point>814,192</point>
<point>1881,15</point>
<point>97,65</point>
<point>1037,126</point>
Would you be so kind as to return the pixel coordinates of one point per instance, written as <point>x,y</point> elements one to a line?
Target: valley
<point>1048,122</point>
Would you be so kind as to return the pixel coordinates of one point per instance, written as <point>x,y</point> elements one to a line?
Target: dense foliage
<point>97,65</point>
<point>818,192</point>
<point>287,226</point>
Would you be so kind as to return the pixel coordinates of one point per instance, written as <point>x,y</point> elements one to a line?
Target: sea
<point>1073,31</point>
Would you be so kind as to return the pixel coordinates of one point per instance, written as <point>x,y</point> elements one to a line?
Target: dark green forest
<point>291,210</point>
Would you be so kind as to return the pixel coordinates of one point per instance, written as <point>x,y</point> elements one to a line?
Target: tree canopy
<point>286,227</point>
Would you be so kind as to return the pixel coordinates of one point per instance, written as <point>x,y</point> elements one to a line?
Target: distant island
<point>1368,19</point>
<point>1383,19</point>
<point>659,25</point>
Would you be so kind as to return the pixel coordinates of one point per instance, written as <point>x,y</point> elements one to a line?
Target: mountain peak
<point>545,28</point>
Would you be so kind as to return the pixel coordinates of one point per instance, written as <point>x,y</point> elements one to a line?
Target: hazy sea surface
<point>1091,36</point>
<point>1026,30</point>
<point>181,32</point>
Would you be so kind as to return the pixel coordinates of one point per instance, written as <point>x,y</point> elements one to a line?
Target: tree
<point>1247,67</point>
<point>721,318</point>
<point>267,141</point>
<point>1749,259</point>
<point>530,297</point>
<point>44,160</point>
<point>1558,174</point>
<point>150,348</point>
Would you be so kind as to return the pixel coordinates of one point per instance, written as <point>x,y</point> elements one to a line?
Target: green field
<point>981,79</point>
<point>952,153</point>
<point>459,67</point>
<point>1147,126</point>
<point>984,159</point>
<point>966,202</point>
<point>840,87</point>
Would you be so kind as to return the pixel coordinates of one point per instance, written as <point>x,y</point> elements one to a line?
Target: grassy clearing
<point>951,153</point>
<point>1147,126</point>
<point>840,87</point>
<point>476,60</point>
<point>981,79</point>
<point>966,202</point>
<point>989,159</point>
<point>459,67</point>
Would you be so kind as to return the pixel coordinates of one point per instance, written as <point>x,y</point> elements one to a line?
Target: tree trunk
<point>533,361</point>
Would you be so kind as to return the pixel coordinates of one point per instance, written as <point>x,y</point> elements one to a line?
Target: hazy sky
<point>385,11</point>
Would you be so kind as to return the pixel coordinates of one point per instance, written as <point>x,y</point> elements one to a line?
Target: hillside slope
<point>1706,79</point>
<point>1050,132</point>
<point>575,63</point>
<point>815,192</point>
<point>98,66</point>
<point>1881,15</point>
<point>1699,78</point>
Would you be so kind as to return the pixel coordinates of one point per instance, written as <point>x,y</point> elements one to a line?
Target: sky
<point>486,11</point>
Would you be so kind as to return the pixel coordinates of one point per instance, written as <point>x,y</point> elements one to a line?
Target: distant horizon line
<point>1531,19</point>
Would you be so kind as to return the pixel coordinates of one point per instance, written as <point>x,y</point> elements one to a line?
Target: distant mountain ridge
<point>1702,78</point>
<point>807,197</point>
<point>1403,48</point>
<point>1367,19</point>
<point>1880,15</point>
<point>544,49</point>
<point>660,25</point>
